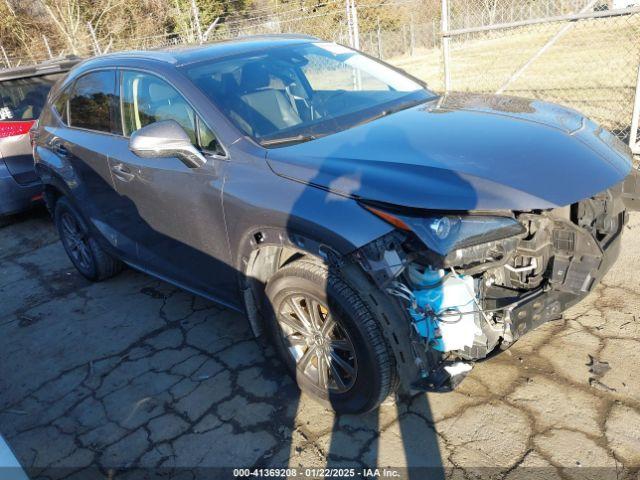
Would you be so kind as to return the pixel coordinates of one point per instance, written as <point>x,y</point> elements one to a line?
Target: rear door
<point>21,101</point>
<point>85,142</point>
<point>172,212</point>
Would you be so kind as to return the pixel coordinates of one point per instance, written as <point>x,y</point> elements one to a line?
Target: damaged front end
<point>473,283</point>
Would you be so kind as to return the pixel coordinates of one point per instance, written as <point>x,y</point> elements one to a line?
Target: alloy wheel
<point>76,241</point>
<point>321,348</point>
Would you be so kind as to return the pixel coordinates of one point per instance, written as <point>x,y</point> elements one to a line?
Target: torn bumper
<point>581,271</point>
<point>460,304</point>
<point>574,275</point>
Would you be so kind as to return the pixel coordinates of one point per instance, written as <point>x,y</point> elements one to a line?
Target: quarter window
<point>90,106</point>
<point>208,140</point>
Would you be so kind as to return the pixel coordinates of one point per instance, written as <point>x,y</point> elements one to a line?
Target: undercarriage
<point>464,304</point>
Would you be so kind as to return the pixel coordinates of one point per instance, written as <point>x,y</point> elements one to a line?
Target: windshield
<point>23,98</point>
<point>298,93</point>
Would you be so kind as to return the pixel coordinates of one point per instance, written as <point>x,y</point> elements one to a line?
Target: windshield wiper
<point>389,111</point>
<point>284,140</point>
<point>301,138</point>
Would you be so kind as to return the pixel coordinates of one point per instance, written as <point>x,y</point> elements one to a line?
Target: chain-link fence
<point>584,55</point>
<point>580,53</point>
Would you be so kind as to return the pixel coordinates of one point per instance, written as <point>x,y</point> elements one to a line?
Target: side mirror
<point>166,139</point>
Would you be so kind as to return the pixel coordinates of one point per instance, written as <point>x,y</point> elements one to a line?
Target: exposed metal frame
<point>445,45</point>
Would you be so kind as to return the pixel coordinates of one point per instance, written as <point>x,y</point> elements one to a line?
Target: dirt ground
<point>133,372</point>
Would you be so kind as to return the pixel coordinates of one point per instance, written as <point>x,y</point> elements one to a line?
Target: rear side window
<point>23,98</point>
<point>91,104</point>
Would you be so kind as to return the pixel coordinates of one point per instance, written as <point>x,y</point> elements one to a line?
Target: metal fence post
<point>445,45</point>
<point>635,120</point>
<point>349,22</point>
<point>412,38</point>
<point>379,41</point>
<point>356,28</point>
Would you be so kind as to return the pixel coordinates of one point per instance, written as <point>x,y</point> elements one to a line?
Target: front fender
<point>261,208</point>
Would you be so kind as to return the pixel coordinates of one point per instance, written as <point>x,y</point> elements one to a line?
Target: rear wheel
<point>328,339</point>
<point>85,253</point>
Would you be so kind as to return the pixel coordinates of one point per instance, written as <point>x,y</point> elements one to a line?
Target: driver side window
<point>148,99</point>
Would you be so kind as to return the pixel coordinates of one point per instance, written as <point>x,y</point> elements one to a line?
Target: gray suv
<point>384,236</point>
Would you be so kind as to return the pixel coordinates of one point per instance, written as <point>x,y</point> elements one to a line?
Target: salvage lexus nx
<point>384,236</point>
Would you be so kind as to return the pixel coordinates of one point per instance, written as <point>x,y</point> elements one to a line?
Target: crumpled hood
<point>464,152</point>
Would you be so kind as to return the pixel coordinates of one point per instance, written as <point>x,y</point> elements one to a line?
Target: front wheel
<point>328,339</point>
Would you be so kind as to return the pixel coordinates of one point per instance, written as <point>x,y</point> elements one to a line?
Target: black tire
<point>95,264</point>
<point>375,376</point>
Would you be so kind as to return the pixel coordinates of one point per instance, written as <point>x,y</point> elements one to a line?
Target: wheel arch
<point>265,250</point>
<point>53,187</point>
<point>262,252</point>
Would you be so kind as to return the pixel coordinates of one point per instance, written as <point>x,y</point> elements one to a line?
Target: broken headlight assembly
<point>459,240</point>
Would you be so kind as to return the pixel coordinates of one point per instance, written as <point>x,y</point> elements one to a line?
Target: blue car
<point>383,236</point>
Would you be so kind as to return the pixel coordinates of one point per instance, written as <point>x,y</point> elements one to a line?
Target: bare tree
<point>14,31</point>
<point>67,16</point>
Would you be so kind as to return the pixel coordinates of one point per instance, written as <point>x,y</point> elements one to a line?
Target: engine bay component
<point>443,309</point>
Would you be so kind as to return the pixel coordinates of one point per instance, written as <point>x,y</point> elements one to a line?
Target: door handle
<point>61,150</point>
<point>122,173</point>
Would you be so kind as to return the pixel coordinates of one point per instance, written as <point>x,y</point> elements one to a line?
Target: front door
<point>171,211</point>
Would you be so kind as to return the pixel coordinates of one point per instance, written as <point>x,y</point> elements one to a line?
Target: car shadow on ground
<point>136,376</point>
<point>415,437</point>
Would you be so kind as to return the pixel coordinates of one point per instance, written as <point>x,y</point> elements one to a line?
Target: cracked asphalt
<point>133,372</point>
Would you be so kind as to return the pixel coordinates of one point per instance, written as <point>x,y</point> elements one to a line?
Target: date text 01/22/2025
<point>317,472</point>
